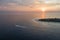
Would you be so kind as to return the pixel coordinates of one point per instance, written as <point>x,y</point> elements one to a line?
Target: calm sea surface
<point>23,26</point>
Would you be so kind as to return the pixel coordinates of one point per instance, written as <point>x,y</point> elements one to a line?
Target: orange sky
<point>33,7</point>
<point>27,8</point>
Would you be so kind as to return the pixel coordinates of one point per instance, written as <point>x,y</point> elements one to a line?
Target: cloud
<point>20,2</point>
<point>23,4</point>
<point>12,4</point>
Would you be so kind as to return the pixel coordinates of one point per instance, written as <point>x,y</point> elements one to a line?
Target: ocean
<point>23,26</point>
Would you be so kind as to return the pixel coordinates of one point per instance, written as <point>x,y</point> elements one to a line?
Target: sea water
<point>23,26</point>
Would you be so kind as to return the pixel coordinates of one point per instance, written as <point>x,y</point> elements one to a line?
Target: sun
<point>43,9</point>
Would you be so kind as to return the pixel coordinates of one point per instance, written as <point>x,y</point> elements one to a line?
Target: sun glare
<point>43,12</point>
<point>43,9</point>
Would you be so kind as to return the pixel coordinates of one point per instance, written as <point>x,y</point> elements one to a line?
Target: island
<point>50,20</point>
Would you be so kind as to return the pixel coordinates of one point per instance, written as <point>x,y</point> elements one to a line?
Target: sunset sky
<point>29,5</point>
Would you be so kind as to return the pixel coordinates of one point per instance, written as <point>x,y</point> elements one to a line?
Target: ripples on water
<point>24,26</point>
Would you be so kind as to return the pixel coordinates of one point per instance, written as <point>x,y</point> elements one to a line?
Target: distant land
<point>50,20</point>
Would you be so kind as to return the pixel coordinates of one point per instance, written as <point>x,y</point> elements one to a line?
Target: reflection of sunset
<point>43,10</point>
<point>43,15</point>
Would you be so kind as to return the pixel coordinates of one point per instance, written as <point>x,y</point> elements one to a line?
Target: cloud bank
<point>25,4</point>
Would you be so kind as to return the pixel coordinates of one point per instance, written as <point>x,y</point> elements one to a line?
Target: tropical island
<point>50,20</point>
